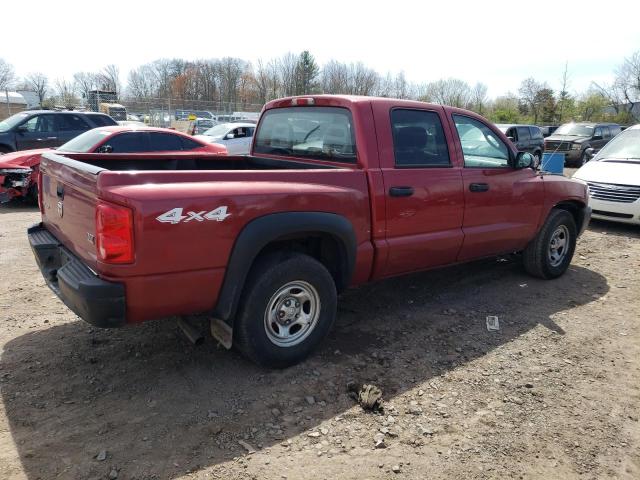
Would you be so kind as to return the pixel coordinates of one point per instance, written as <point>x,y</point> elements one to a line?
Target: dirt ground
<point>555,393</point>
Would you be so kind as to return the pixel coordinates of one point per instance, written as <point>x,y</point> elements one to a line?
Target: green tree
<point>307,72</point>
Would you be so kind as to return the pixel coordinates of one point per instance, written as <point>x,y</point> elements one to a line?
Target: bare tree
<point>39,83</point>
<point>479,98</point>
<point>452,91</point>
<point>7,75</point>
<point>287,65</point>
<point>65,93</point>
<point>530,96</point>
<point>563,97</point>
<point>84,82</point>
<point>267,81</point>
<point>109,79</point>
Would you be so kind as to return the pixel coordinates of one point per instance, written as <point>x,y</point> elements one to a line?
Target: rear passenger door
<point>70,126</point>
<point>423,189</point>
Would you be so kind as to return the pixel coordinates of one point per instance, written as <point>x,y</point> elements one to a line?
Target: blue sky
<point>496,42</point>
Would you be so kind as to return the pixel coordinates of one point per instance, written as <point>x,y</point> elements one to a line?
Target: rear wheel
<point>288,306</point>
<point>550,253</point>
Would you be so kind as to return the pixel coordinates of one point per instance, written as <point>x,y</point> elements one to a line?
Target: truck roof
<point>344,101</point>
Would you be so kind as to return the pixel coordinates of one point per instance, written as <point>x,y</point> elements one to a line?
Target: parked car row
<point>19,170</point>
<point>46,128</point>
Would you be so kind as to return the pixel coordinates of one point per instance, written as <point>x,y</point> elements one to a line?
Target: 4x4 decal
<point>175,215</point>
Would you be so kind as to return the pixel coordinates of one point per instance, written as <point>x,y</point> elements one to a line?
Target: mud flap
<point>222,332</point>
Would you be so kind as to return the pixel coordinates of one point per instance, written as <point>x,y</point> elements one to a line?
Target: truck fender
<point>262,231</point>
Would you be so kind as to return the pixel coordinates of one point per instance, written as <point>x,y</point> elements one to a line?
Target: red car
<point>337,191</point>
<point>19,170</point>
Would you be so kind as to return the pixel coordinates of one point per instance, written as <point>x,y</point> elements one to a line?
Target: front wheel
<point>287,308</point>
<point>583,159</point>
<point>550,253</point>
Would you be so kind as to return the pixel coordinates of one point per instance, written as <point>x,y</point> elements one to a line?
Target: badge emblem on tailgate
<point>60,209</point>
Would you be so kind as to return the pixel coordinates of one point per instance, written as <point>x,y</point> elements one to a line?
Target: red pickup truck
<point>337,191</point>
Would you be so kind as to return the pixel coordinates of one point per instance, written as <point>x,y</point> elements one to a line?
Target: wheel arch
<point>576,209</point>
<point>328,237</point>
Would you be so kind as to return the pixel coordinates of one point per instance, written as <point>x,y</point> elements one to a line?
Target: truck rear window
<point>323,133</point>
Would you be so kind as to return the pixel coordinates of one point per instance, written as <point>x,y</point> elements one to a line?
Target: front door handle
<point>479,187</point>
<point>401,191</point>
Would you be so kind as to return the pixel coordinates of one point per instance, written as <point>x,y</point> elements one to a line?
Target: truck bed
<point>147,162</point>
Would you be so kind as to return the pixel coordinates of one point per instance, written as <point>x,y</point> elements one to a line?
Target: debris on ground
<point>493,324</point>
<point>368,396</point>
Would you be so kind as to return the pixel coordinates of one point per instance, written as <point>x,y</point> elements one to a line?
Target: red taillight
<point>114,233</point>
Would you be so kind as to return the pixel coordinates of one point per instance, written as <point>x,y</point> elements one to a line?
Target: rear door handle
<point>479,187</point>
<point>401,191</point>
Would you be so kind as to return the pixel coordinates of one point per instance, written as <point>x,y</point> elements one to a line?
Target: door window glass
<point>481,147</point>
<point>418,139</point>
<point>164,142</point>
<point>597,132</point>
<point>41,124</point>
<point>536,133</point>
<point>70,123</point>
<point>523,134</point>
<point>128,143</point>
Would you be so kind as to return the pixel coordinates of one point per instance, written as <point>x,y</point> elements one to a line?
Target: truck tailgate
<point>69,197</point>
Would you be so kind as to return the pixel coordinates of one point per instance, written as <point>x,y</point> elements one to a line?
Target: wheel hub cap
<point>558,245</point>
<point>292,313</point>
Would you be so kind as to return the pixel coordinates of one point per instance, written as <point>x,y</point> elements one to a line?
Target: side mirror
<point>524,160</point>
<point>512,140</point>
<point>229,136</point>
<point>590,153</point>
<point>596,137</point>
<point>105,149</point>
<point>22,128</point>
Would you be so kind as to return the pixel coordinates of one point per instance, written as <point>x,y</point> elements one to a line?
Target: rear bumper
<point>98,302</point>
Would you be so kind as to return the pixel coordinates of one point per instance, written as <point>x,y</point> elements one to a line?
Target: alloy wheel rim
<point>558,245</point>
<point>292,314</point>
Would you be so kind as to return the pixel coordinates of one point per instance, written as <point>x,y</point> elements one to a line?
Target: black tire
<point>583,159</point>
<point>32,195</point>
<point>267,278</point>
<point>536,257</point>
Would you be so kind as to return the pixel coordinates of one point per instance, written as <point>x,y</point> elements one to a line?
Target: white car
<point>613,176</point>
<point>236,137</point>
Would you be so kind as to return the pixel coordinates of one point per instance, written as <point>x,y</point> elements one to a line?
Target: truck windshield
<point>575,130</point>
<point>323,133</point>
<point>86,142</point>
<point>12,121</point>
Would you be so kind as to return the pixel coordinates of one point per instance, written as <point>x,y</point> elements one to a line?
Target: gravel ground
<point>555,393</point>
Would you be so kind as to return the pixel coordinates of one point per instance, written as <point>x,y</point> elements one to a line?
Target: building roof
<point>14,98</point>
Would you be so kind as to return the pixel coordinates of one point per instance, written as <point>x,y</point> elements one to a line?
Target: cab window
<point>418,139</point>
<point>481,147</point>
